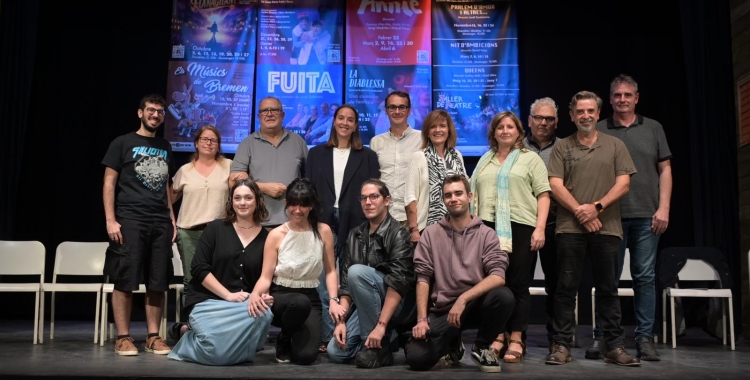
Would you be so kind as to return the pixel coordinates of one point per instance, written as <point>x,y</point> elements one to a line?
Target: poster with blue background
<point>475,66</point>
<point>300,62</point>
<point>211,71</point>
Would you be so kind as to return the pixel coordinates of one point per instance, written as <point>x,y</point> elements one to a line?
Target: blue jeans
<point>367,289</point>
<point>638,237</point>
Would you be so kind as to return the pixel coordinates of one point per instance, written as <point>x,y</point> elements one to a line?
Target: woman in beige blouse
<point>202,184</point>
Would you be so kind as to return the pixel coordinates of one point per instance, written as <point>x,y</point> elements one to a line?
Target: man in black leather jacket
<point>378,278</point>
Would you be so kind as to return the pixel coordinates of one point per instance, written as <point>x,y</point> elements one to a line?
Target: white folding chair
<point>540,291</point>
<point>75,259</point>
<point>622,292</point>
<point>698,270</point>
<point>178,287</point>
<point>24,258</point>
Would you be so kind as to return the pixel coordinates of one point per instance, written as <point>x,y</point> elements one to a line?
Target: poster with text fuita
<point>300,62</point>
<point>211,71</point>
<point>475,68</point>
<point>388,48</point>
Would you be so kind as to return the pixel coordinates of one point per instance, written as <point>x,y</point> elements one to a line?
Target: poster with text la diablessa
<point>211,71</point>
<point>300,62</point>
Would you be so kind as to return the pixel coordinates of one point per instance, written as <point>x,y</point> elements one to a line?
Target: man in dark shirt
<point>588,172</point>
<point>140,224</point>
<point>543,124</point>
<point>644,209</point>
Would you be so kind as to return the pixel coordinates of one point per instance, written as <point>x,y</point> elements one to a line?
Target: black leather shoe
<point>374,358</point>
<point>596,350</point>
<point>646,349</point>
<point>621,357</point>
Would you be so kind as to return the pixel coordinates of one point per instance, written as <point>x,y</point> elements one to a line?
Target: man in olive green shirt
<point>589,172</point>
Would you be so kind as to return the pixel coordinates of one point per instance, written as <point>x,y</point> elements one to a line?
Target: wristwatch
<point>337,299</point>
<point>412,229</point>
<point>599,207</point>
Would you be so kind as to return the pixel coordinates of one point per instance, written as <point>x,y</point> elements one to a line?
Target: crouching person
<point>460,272</point>
<point>378,280</point>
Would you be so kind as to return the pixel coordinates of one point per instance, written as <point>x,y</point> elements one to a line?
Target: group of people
<point>355,251</point>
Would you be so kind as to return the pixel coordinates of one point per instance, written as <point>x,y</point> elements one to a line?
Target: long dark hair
<point>301,192</point>
<point>261,212</point>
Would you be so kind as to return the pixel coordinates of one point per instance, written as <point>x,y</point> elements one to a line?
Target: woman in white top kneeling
<point>294,256</point>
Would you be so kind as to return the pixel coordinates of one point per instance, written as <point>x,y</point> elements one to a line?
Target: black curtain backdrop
<point>90,73</point>
<point>706,40</point>
<point>18,31</point>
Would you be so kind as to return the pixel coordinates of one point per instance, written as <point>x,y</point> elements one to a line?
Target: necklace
<point>342,151</point>
<point>244,228</point>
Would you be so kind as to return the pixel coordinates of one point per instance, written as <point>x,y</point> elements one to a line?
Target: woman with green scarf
<point>511,195</point>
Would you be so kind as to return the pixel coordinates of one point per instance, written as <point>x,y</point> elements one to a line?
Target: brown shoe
<point>125,347</point>
<point>560,355</point>
<point>621,357</point>
<point>156,345</point>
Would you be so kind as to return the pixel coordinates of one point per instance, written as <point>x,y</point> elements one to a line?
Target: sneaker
<point>596,350</point>
<point>283,350</point>
<point>560,355</point>
<point>174,332</point>
<point>621,357</point>
<point>646,349</point>
<point>157,345</point>
<point>125,347</point>
<point>485,359</point>
<point>453,358</point>
<point>374,358</point>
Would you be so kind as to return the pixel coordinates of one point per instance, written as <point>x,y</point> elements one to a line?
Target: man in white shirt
<point>394,149</point>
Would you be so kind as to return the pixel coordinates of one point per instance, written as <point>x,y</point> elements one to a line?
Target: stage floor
<point>72,354</point>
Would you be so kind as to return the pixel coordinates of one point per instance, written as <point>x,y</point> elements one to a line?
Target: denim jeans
<point>638,237</point>
<point>367,289</point>
<point>571,252</point>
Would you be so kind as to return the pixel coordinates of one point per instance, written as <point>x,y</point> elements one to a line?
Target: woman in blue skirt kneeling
<point>227,263</point>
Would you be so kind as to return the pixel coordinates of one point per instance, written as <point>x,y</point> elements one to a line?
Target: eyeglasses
<point>207,140</point>
<point>151,111</point>
<point>548,119</point>
<point>393,108</point>
<point>373,197</point>
<point>270,111</point>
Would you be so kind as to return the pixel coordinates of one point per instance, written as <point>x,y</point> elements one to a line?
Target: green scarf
<point>502,210</point>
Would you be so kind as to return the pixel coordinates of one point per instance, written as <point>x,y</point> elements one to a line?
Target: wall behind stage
<point>91,72</point>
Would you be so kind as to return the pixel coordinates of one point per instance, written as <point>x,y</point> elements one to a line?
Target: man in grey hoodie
<point>460,272</point>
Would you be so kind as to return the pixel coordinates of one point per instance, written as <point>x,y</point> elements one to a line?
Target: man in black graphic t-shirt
<point>140,224</point>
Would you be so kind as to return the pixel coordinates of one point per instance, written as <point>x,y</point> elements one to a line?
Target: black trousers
<point>487,313</point>
<point>571,252</point>
<point>298,312</point>
<point>518,278</point>
<point>548,258</point>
